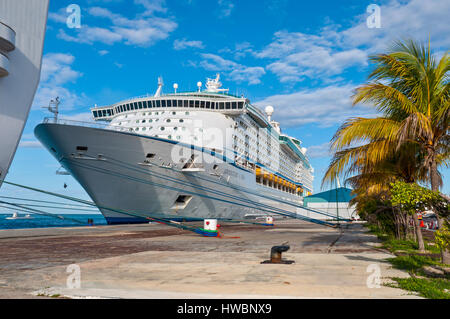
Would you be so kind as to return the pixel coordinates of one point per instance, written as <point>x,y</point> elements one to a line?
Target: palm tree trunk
<point>434,177</point>
<point>445,254</point>
<point>419,234</point>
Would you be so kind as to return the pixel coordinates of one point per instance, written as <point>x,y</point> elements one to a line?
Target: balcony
<point>7,38</point>
<point>4,65</point>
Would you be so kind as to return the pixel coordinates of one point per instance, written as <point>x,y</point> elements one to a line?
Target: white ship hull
<point>22,31</point>
<point>127,186</point>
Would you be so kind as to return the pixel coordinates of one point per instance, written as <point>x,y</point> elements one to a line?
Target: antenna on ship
<point>175,87</point>
<point>53,107</point>
<point>160,85</point>
<point>214,85</point>
<point>199,85</point>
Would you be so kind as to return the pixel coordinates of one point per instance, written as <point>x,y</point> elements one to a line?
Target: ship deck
<point>156,261</point>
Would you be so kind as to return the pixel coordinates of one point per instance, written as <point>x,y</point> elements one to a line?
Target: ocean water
<point>40,221</point>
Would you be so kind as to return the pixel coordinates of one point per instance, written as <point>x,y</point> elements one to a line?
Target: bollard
<point>275,255</point>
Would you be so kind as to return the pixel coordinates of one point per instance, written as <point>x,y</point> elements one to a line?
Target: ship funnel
<point>160,85</point>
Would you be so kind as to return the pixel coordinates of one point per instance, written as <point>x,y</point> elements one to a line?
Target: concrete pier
<point>157,261</point>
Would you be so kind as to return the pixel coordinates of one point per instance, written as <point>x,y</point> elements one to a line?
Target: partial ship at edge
<point>191,155</point>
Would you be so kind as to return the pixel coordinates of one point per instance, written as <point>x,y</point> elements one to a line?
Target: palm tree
<point>411,92</point>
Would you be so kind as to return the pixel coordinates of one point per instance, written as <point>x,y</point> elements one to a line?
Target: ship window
<point>233,105</point>
<point>158,103</point>
<point>168,120</point>
<point>240,105</point>
<point>128,107</point>
<point>202,104</point>
<point>191,103</point>
<point>180,103</point>
<point>163,103</point>
<point>169,103</point>
<point>95,114</point>
<point>174,103</point>
<point>144,128</point>
<point>228,105</point>
<point>140,105</point>
<point>174,113</point>
<point>213,105</point>
<point>150,155</point>
<point>181,120</point>
<point>221,105</point>
<point>197,103</point>
<point>82,148</point>
<point>187,113</point>
<point>162,128</point>
<point>208,104</point>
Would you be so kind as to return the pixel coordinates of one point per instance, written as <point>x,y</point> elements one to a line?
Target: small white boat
<point>16,216</point>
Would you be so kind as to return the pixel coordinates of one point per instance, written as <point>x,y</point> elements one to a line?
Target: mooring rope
<point>240,188</point>
<point>263,207</point>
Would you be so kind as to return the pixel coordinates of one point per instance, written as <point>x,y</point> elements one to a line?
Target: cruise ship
<point>22,32</point>
<point>183,156</point>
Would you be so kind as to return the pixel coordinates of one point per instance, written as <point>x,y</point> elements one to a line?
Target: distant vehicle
<point>16,216</point>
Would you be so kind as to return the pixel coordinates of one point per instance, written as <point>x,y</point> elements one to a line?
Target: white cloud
<point>57,71</point>
<point>180,44</point>
<point>30,144</point>
<point>235,71</point>
<point>416,19</point>
<point>143,30</point>
<point>226,7</point>
<point>331,51</point>
<point>318,151</point>
<point>325,106</point>
<point>152,6</point>
<point>298,55</point>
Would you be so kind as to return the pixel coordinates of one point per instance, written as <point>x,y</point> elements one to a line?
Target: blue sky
<point>302,57</point>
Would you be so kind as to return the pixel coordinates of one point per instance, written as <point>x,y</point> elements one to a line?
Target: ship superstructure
<point>184,154</point>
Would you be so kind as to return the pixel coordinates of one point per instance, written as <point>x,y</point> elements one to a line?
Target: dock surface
<point>157,261</point>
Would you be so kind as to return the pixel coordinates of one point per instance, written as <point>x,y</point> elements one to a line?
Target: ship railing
<point>104,126</point>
